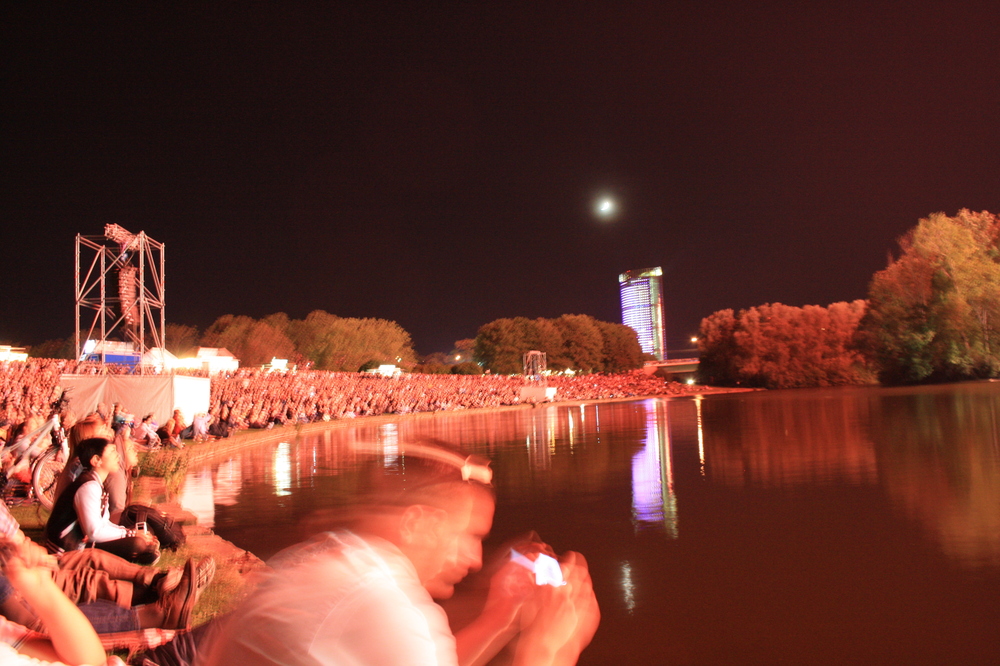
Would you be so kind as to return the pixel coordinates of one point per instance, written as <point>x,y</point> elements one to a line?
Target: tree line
<point>570,342</point>
<point>780,346</point>
<point>324,341</point>
<point>931,315</point>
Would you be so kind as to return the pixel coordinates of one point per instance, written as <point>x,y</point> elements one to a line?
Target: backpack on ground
<point>167,531</point>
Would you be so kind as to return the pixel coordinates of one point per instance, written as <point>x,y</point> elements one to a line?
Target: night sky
<point>437,163</point>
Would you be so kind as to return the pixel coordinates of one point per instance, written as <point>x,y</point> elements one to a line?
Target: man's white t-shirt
<point>337,599</point>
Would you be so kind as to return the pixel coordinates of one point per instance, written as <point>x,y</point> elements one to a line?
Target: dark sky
<point>436,163</point>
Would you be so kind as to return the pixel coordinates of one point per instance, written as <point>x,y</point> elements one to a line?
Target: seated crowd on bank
<point>97,573</point>
<point>256,398</point>
<point>362,591</point>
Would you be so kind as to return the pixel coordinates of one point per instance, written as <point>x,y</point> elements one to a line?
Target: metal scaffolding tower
<point>132,264</point>
<point>534,368</point>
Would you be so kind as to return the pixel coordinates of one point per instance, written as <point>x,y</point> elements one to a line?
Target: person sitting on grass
<point>172,431</point>
<point>81,518</point>
<point>145,433</point>
<point>70,639</point>
<point>115,595</point>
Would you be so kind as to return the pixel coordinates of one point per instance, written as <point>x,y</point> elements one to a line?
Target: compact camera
<point>545,567</point>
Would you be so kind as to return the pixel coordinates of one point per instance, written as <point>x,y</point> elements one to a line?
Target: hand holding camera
<point>563,615</point>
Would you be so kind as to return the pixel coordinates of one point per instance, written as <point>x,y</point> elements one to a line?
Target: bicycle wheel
<point>45,473</point>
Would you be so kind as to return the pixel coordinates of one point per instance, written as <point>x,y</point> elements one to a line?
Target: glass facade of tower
<point>642,307</point>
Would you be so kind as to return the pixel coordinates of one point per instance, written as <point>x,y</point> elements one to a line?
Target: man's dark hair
<point>89,448</point>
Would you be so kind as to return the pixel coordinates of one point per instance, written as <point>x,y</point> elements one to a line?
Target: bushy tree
<point>500,344</point>
<point>328,341</point>
<point>432,368</point>
<point>620,347</point>
<point>583,344</point>
<point>344,343</point>
<point>934,312</point>
<point>466,368</point>
<point>180,340</point>
<point>719,360</point>
<point>578,342</point>
<point>252,342</point>
<point>63,348</point>
<point>464,350</point>
<point>780,346</point>
<point>228,331</point>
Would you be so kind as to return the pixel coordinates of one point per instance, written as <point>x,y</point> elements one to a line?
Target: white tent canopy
<point>158,395</point>
<point>159,357</point>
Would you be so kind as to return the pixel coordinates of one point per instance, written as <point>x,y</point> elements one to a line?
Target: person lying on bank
<point>70,639</point>
<point>115,595</point>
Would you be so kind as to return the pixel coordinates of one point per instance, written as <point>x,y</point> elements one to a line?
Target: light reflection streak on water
<point>628,588</point>
<point>388,437</point>
<point>701,433</point>
<point>654,502</point>
<point>228,481</point>
<point>540,449</point>
<point>198,496</point>
<point>283,469</point>
<point>552,428</point>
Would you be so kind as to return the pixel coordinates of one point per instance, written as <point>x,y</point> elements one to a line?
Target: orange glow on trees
<point>934,312</point>
<point>780,346</point>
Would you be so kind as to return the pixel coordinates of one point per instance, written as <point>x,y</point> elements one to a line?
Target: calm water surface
<point>798,527</point>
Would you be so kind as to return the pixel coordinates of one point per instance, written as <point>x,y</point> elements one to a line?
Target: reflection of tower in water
<point>654,502</point>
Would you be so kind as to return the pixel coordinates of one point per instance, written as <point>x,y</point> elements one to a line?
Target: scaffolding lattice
<point>534,368</point>
<point>131,266</point>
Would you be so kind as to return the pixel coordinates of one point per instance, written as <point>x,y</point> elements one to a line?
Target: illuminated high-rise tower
<point>642,307</point>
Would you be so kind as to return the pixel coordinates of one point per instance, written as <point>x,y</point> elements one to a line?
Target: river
<point>827,526</point>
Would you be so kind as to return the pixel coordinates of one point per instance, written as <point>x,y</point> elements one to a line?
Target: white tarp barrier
<point>158,395</point>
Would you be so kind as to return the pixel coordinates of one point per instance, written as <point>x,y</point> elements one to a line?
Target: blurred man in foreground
<point>364,595</point>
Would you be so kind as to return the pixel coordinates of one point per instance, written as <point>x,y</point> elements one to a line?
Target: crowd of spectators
<point>258,398</point>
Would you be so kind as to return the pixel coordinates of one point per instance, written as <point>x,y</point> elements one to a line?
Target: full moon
<point>605,207</point>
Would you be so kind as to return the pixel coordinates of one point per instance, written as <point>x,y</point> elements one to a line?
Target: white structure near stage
<point>158,395</point>
<point>8,353</point>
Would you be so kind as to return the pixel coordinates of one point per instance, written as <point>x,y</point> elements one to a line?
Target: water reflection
<point>940,456</point>
<point>933,450</point>
<point>804,438</point>
<point>628,587</point>
<point>826,526</point>
<point>197,495</point>
<point>283,469</point>
<point>654,502</point>
<point>932,454</point>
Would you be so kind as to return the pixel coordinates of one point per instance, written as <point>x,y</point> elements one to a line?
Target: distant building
<point>8,353</point>
<point>642,307</point>
<point>211,359</point>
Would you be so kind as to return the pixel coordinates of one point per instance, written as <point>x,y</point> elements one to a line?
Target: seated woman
<point>172,431</point>
<point>80,516</point>
<point>145,433</point>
